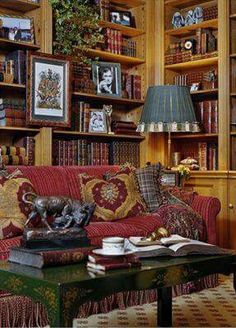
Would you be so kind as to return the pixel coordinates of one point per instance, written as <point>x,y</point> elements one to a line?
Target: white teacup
<point>113,245</point>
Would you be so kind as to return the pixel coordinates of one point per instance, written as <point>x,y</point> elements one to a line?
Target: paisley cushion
<point>13,211</point>
<point>116,198</point>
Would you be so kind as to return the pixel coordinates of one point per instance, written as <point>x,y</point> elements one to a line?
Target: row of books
<point>131,86</point>
<point>205,79</point>
<point>14,65</point>
<point>207,115</point>
<point>207,156</point>
<point>80,116</point>
<point>12,112</point>
<point>80,152</point>
<point>104,7</point>
<point>210,12</point>
<point>83,152</point>
<point>82,81</point>
<point>115,43</point>
<point>23,153</point>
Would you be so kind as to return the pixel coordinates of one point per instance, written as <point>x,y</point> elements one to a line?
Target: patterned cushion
<point>181,219</point>
<point>149,185</point>
<point>13,211</point>
<point>116,198</point>
<point>183,195</point>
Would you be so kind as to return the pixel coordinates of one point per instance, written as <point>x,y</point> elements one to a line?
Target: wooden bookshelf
<point>127,4</point>
<point>186,30</point>
<point>107,99</point>
<point>9,45</point>
<point>125,30</point>
<point>184,3</point>
<point>204,92</point>
<point>193,64</point>
<point>19,5</point>
<point>194,136</point>
<point>126,60</point>
<point>98,135</point>
<point>18,129</point>
<point>233,16</point>
<point>12,86</point>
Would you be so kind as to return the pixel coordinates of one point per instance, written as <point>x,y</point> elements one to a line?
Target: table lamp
<point>168,108</point>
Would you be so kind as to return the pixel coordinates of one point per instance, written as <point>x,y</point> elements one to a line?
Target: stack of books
<point>124,127</point>
<point>100,264</point>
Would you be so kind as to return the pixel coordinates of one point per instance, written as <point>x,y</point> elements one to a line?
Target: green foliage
<point>76,27</point>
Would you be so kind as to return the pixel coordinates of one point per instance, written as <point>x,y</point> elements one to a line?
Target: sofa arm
<point>208,208</point>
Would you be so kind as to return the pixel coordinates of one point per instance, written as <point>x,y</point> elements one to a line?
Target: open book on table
<point>183,248</point>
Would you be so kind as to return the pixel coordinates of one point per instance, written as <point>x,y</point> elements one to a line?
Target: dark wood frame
<point>46,120</point>
<point>172,176</point>
<point>32,41</point>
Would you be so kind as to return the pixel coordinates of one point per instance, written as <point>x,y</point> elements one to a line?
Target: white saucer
<point>101,251</point>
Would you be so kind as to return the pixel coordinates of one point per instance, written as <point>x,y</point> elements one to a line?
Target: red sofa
<point>64,181</point>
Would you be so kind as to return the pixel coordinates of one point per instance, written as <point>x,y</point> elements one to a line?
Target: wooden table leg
<point>164,307</point>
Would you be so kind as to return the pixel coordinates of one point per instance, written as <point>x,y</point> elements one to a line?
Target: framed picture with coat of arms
<point>48,92</point>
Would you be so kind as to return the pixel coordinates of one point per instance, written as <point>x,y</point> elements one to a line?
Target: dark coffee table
<point>63,289</point>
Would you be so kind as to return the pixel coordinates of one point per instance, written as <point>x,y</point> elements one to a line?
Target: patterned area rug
<point>214,307</point>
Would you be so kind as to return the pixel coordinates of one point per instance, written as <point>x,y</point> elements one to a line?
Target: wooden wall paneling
<point>214,184</point>
<point>46,26</point>
<point>232,210</point>
<point>43,147</point>
<point>224,86</point>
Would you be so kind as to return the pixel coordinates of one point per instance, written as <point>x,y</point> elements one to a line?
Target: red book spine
<point>202,154</point>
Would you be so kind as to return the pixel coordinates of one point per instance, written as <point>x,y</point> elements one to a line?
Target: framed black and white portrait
<point>121,17</point>
<point>107,78</point>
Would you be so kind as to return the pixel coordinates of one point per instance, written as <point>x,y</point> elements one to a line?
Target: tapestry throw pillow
<point>116,198</point>
<point>13,211</point>
<point>149,185</point>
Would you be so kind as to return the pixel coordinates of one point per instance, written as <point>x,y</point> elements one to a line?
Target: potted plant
<point>76,27</point>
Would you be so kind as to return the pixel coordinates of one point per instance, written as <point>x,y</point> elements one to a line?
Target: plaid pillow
<point>149,185</point>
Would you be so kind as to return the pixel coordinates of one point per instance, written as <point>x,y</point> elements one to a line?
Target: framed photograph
<point>195,86</point>
<point>17,28</point>
<point>121,17</point>
<point>97,121</point>
<point>48,92</point>
<point>107,78</point>
<point>169,178</point>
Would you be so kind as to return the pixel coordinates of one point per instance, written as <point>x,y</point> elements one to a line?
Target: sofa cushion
<point>182,220</point>
<point>13,211</point>
<point>132,226</point>
<point>116,198</point>
<point>149,186</point>
<point>183,195</point>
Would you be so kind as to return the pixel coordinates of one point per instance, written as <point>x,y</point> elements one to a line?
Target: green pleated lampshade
<point>168,108</point>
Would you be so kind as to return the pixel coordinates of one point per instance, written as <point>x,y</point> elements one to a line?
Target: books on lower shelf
<point>48,257</point>
<point>106,263</point>
<point>190,247</point>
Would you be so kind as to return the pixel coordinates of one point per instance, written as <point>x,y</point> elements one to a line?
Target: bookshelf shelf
<point>193,64</point>
<point>184,3</point>
<point>12,86</point>
<point>96,135</point>
<point>186,30</point>
<point>233,55</point>
<point>233,94</point>
<point>233,16</point>
<point>127,4</point>
<point>8,45</point>
<point>19,5</point>
<point>125,30</point>
<point>204,92</point>
<point>18,129</point>
<point>130,61</point>
<point>195,136</point>
<point>129,102</point>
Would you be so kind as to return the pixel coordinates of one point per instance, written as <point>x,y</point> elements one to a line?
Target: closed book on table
<point>101,259</point>
<point>112,265</point>
<point>48,257</point>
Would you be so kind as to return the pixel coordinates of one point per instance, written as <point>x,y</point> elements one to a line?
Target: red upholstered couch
<point>64,181</point>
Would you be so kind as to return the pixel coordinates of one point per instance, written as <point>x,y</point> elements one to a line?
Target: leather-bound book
<point>48,257</point>
<point>112,263</point>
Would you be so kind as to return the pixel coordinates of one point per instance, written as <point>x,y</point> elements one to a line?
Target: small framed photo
<point>17,28</point>
<point>48,91</point>
<point>107,78</point>
<point>195,86</point>
<point>97,121</point>
<point>121,17</point>
<point>169,178</point>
